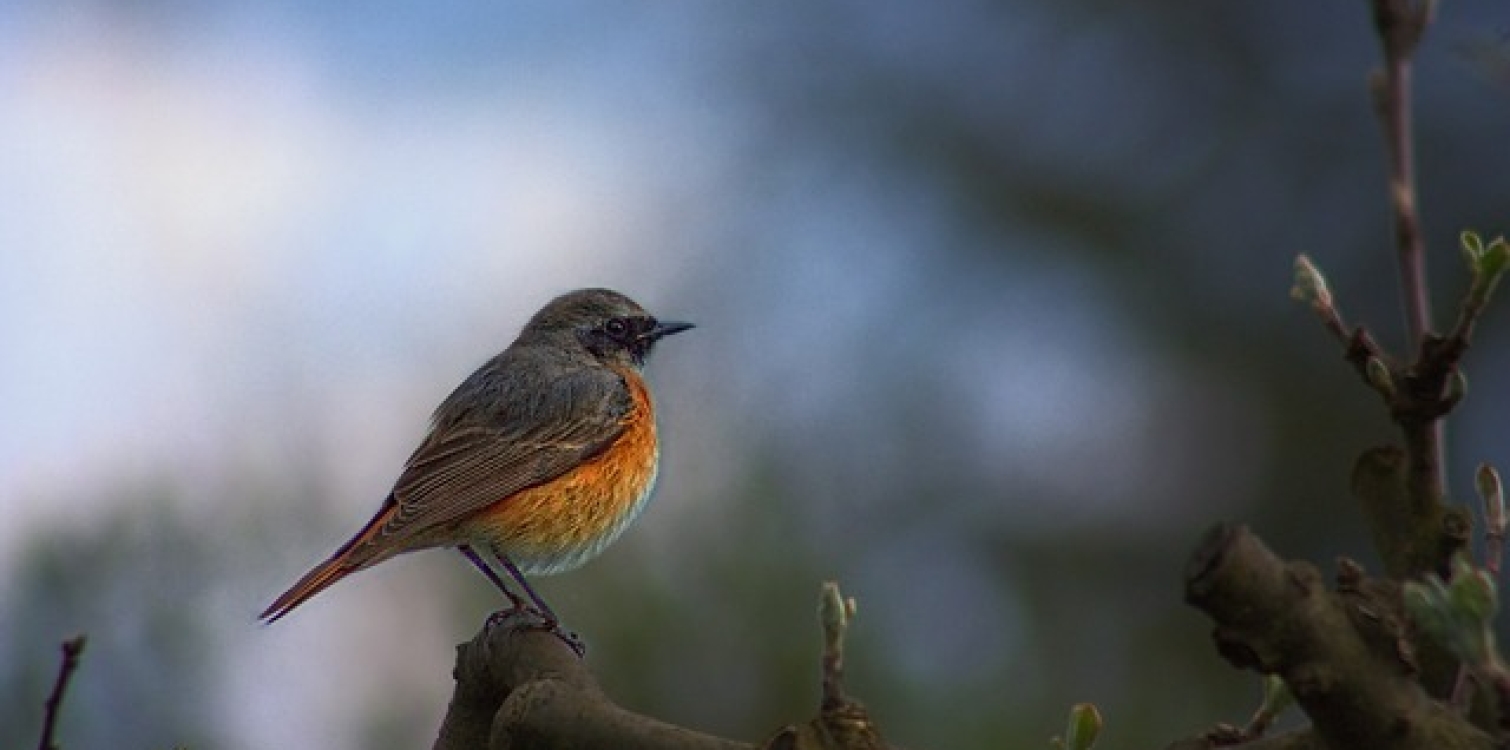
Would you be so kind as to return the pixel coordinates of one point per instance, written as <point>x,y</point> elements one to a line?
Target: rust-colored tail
<point>340,565</point>
<point>312,583</point>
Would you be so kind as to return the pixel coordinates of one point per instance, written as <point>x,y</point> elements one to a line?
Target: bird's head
<point>609,325</point>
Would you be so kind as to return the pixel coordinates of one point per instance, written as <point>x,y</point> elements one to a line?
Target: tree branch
<point>520,687</point>
<point>1412,534</point>
<point>1401,24</point>
<point>73,648</point>
<point>1344,653</point>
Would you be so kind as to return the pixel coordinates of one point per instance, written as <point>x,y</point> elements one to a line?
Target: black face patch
<point>628,334</point>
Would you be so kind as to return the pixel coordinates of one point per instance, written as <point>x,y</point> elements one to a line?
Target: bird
<point>541,457</point>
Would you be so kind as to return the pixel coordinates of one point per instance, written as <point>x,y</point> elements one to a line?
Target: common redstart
<point>542,457</point>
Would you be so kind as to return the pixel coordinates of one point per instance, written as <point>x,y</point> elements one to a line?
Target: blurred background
<point>993,322</point>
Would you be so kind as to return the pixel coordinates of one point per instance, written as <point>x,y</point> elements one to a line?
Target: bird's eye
<point>616,327</point>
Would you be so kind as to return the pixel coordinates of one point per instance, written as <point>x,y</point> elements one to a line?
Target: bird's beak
<point>665,328</point>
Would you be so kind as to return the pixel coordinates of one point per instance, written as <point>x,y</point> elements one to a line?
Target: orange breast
<point>564,523</point>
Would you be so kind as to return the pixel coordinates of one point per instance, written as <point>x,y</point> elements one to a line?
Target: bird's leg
<point>552,624</point>
<point>514,601</point>
<point>519,576</point>
<point>517,607</point>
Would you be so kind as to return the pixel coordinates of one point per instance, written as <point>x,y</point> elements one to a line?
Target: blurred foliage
<point>134,583</point>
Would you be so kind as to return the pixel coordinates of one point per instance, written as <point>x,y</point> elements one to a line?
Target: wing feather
<point>475,457</point>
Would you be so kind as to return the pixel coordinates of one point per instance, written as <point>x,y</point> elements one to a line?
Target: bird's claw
<point>525,617</point>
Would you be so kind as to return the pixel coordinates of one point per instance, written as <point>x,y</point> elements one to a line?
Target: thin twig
<point>1494,552</point>
<point>834,613</point>
<point>1499,683</point>
<point>1311,287</point>
<point>1396,115</point>
<point>72,649</point>
<point>1488,268</point>
<point>1492,495</point>
<point>1461,697</point>
<point>1401,23</point>
<point>843,722</point>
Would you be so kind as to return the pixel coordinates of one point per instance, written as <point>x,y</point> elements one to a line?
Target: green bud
<point>1461,566</point>
<point>1473,247</point>
<point>1277,695</point>
<point>1457,386</point>
<point>1458,613</point>
<point>1417,598</point>
<point>832,612</point>
<point>1493,495</point>
<point>1084,727</point>
<point>1310,286</point>
<point>1474,597</point>
<point>1438,587</point>
<point>1425,604</point>
<point>1379,376</point>
<point>1492,261</point>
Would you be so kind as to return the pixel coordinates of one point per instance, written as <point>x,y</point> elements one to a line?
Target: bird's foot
<point>525,617</point>
<point>571,639</point>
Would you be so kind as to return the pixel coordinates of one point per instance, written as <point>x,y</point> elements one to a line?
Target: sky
<point>232,233</point>
<point>196,219</point>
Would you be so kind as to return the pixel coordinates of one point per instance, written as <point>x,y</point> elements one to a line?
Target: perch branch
<point>517,687</point>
